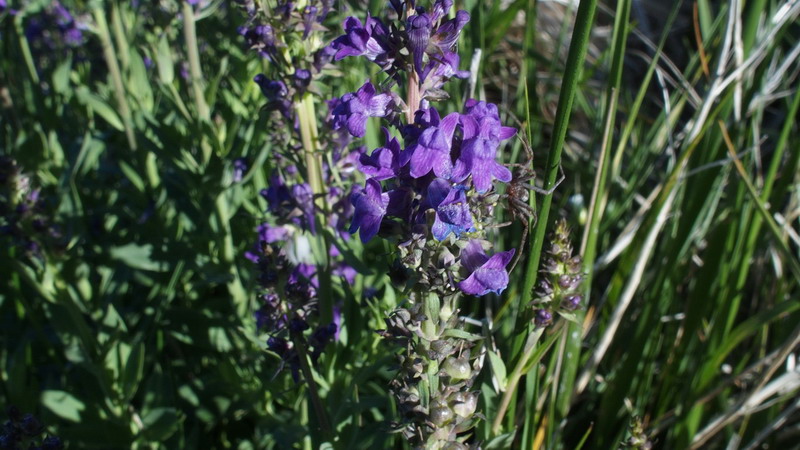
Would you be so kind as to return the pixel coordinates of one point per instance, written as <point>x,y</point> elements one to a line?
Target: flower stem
<point>116,76</point>
<point>190,35</point>
<point>313,159</point>
<point>569,87</point>
<point>26,49</point>
<point>531,354</point>
<point>313,393</point>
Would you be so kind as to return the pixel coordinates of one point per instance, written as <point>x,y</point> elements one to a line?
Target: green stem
<point>522,367</point>
<point>313,393</point>
<point>235,288</point>
<point>119,35</point>
<point>575,61</point>
<point>26,50</point>
<point>116,75</point>
<point>313,159</point>
<point>190,35</point>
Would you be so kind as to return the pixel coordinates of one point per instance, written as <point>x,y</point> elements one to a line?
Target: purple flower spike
<point>432,150</point>
<point>354,109</point>
<point>452,213</point>
<point>488,274</point>
<point>361,39</point>
<point>370,207</point>
<point>384,162</point>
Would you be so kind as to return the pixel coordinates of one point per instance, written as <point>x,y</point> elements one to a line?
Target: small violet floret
<point>482,135</point>
<point>370,207</point>
<point>384,162</point>
<point>487,274</point>
<point>361,39</point>
<point>432,149</point>
<point>452,209</point>
<point>354,108</point>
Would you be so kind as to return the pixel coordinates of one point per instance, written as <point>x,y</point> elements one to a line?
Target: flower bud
<point>465,404</point>
<point>542,318</point>
<point>457,368</point>
<point>441,415</point>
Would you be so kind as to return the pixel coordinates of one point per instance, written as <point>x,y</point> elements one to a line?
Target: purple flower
<point>370,207</point>
<point>354,109</point>
<point>432,149</point>
<point>419,29</point>
<point>447,33</point>
<point>361,39</point>
<point>277,194</point>
<point>452,209</point>
<point>276,93</point>
<point>266,234</point>
<point>239,168</point>
<point>303,197</point>
<point>440,9</point>
<point>309,16</point>
<point>487,274</point>
<point>482,136</point>
<point>301,79</point>
<point>446,67</point>
<point>384,162</point>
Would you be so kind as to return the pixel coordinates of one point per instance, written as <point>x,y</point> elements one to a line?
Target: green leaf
<point>99,106</point>
<point>138,83</point>
<point>160,424</point>
<point>502,441</point>
<point>166,71</point>
<point>461,334</point>
<point>61,77</point>
<point>498,370</point>
<point>63,404</point>
<point>133,373</point>
<point>137,256</point>
<point>132,175</point>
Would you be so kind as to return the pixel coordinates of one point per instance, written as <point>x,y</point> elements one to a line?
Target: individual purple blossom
<point>370,207</point>
<point>276,93</point>
<point>440,9</point>
<point>303,196</point>
<point>419,28</point>
<point>277,194</point>
<point>354,108</point>
<point>482,135</point>
<point>432,149</point>
<point>309,17</point>
<point>301,80</point>
<point>444,68</point>
<point>542,318</point>
<point>239,168</point>
<point>361,39</point>
<point>487,274</point>
<point>384,162</point>
<point>447,34</point>
<point>452,209</point>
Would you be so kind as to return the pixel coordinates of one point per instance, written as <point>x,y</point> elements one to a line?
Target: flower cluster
<point>285,35</point>
<point>289,306</point>
<point>424,44</point>
<point>431,188</point>
<point>558,290</point>
<point>24,431</point>
<point>54,28</point>
<point>23,213</point>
